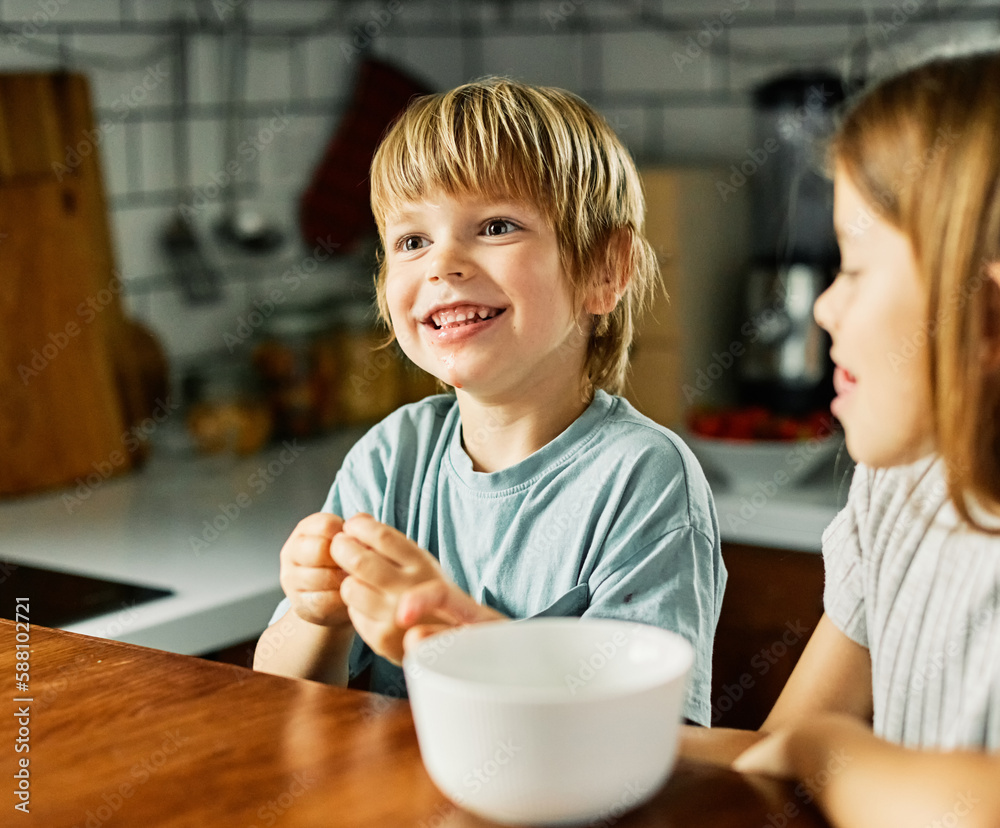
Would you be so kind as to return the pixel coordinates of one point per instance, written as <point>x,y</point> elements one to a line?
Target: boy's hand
<point>309,576</point>
<point>441,600</point>
<point>383,565</point>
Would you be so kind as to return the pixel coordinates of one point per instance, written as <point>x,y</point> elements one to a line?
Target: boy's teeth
<point>469,314</point>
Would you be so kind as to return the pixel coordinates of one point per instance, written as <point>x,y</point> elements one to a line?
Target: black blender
<point>786,367</point>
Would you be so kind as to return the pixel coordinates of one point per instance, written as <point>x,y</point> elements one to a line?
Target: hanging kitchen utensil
<point>197,278</point>
<point>335,207</point>
<point>240,225</point>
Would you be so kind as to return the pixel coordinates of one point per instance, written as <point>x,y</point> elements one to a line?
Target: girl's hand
<point>770,756</point>
<point>309,576</point>
<point>383,565</point>
<point>806,747</point>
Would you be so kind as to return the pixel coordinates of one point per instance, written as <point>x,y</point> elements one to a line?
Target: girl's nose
<point>823,309</point>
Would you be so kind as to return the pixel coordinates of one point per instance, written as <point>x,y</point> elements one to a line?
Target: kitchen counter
<point>210,529</point>
<point>792,517</point>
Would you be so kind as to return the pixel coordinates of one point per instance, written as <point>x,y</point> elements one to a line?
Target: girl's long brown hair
<point>924,149</point>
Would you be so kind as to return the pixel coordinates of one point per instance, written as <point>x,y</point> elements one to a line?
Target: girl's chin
<point>884,454</point>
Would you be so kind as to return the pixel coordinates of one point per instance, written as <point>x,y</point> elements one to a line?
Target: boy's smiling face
<point>496,263</point>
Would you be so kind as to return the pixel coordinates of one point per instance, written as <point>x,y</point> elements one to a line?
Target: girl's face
<point>876,314</point>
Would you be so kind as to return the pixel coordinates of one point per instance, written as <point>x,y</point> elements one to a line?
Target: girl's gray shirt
<point>906,578</point>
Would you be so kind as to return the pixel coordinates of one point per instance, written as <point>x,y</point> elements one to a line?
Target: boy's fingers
<point>366,564</point>
<point>310,550</point>
<point>316,579</point>
<point>415,635</point>
<point>366,600</point>
<point>424,599</point>
<point>382,638</point>
<point>390,542</point>
<point>442,599</point>
<point>322,524</point>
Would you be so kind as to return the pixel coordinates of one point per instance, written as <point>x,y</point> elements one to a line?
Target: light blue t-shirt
<point>611,519</point>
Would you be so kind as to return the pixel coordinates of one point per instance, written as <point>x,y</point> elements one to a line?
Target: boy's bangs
<point>459,144</point>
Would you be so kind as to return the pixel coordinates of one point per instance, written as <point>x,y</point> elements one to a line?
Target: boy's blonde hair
<point>922,148</point>
<point>545,146</point>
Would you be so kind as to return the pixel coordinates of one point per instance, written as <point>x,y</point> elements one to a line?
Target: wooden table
<point>128,736</point>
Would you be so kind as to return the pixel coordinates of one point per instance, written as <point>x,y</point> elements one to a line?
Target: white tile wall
<point>436,11</point>
<point>436,61</point>
<point>757,52</point>
<point>549,59</point>
<point>706,133</point>
<point>62,11</point>
<point>297,151</point>
<point>633,126</point>
<point>20,49</point>
<point>206,79</point>
<point>269,75</point>
<point>136,235</point>
<point>113,163</point>
<point>157,156</point>
<point>621,53</point>
<point>652,62</point>
<point>289,11</point>
<point>149,83</point>
<point>207,152</point>
<point>327,70</point>
<point>158,10</point>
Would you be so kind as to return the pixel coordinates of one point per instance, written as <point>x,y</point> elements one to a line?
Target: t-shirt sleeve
<point>661,563</point>
<point>676,582</point>
<point>843,561</point>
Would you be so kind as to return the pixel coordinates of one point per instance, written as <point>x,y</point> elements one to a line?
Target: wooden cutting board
<point>71,383</point>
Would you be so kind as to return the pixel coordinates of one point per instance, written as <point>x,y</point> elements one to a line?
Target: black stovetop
<point>57,599</point>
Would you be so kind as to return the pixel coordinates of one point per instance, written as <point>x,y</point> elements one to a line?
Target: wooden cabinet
<point>773,601</point>
<point>701,242</point>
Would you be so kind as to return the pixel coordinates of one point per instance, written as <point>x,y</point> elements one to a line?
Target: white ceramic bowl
<point>748,464</point>
<point>549,721</point>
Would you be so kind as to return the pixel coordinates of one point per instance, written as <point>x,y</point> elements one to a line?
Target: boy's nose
<point>447,263</point>
<point>437,274</point>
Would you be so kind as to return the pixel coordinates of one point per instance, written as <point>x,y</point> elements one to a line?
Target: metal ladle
<point>241,226</point>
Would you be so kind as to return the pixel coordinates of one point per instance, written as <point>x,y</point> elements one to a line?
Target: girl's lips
<point>844,383</point>
<point>843,380</point>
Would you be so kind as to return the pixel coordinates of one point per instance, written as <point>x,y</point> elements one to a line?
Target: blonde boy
<point>513,268</point>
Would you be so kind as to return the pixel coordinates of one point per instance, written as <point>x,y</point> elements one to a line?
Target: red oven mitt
<point>335,207</point>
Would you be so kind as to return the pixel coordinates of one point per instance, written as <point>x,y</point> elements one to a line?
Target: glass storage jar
<point>298,361</point>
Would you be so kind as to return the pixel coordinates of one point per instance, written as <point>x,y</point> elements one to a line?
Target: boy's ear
<point>612,277</point>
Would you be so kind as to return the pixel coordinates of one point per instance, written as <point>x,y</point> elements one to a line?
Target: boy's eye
<point>498,227</point>
<point>408,243</point>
